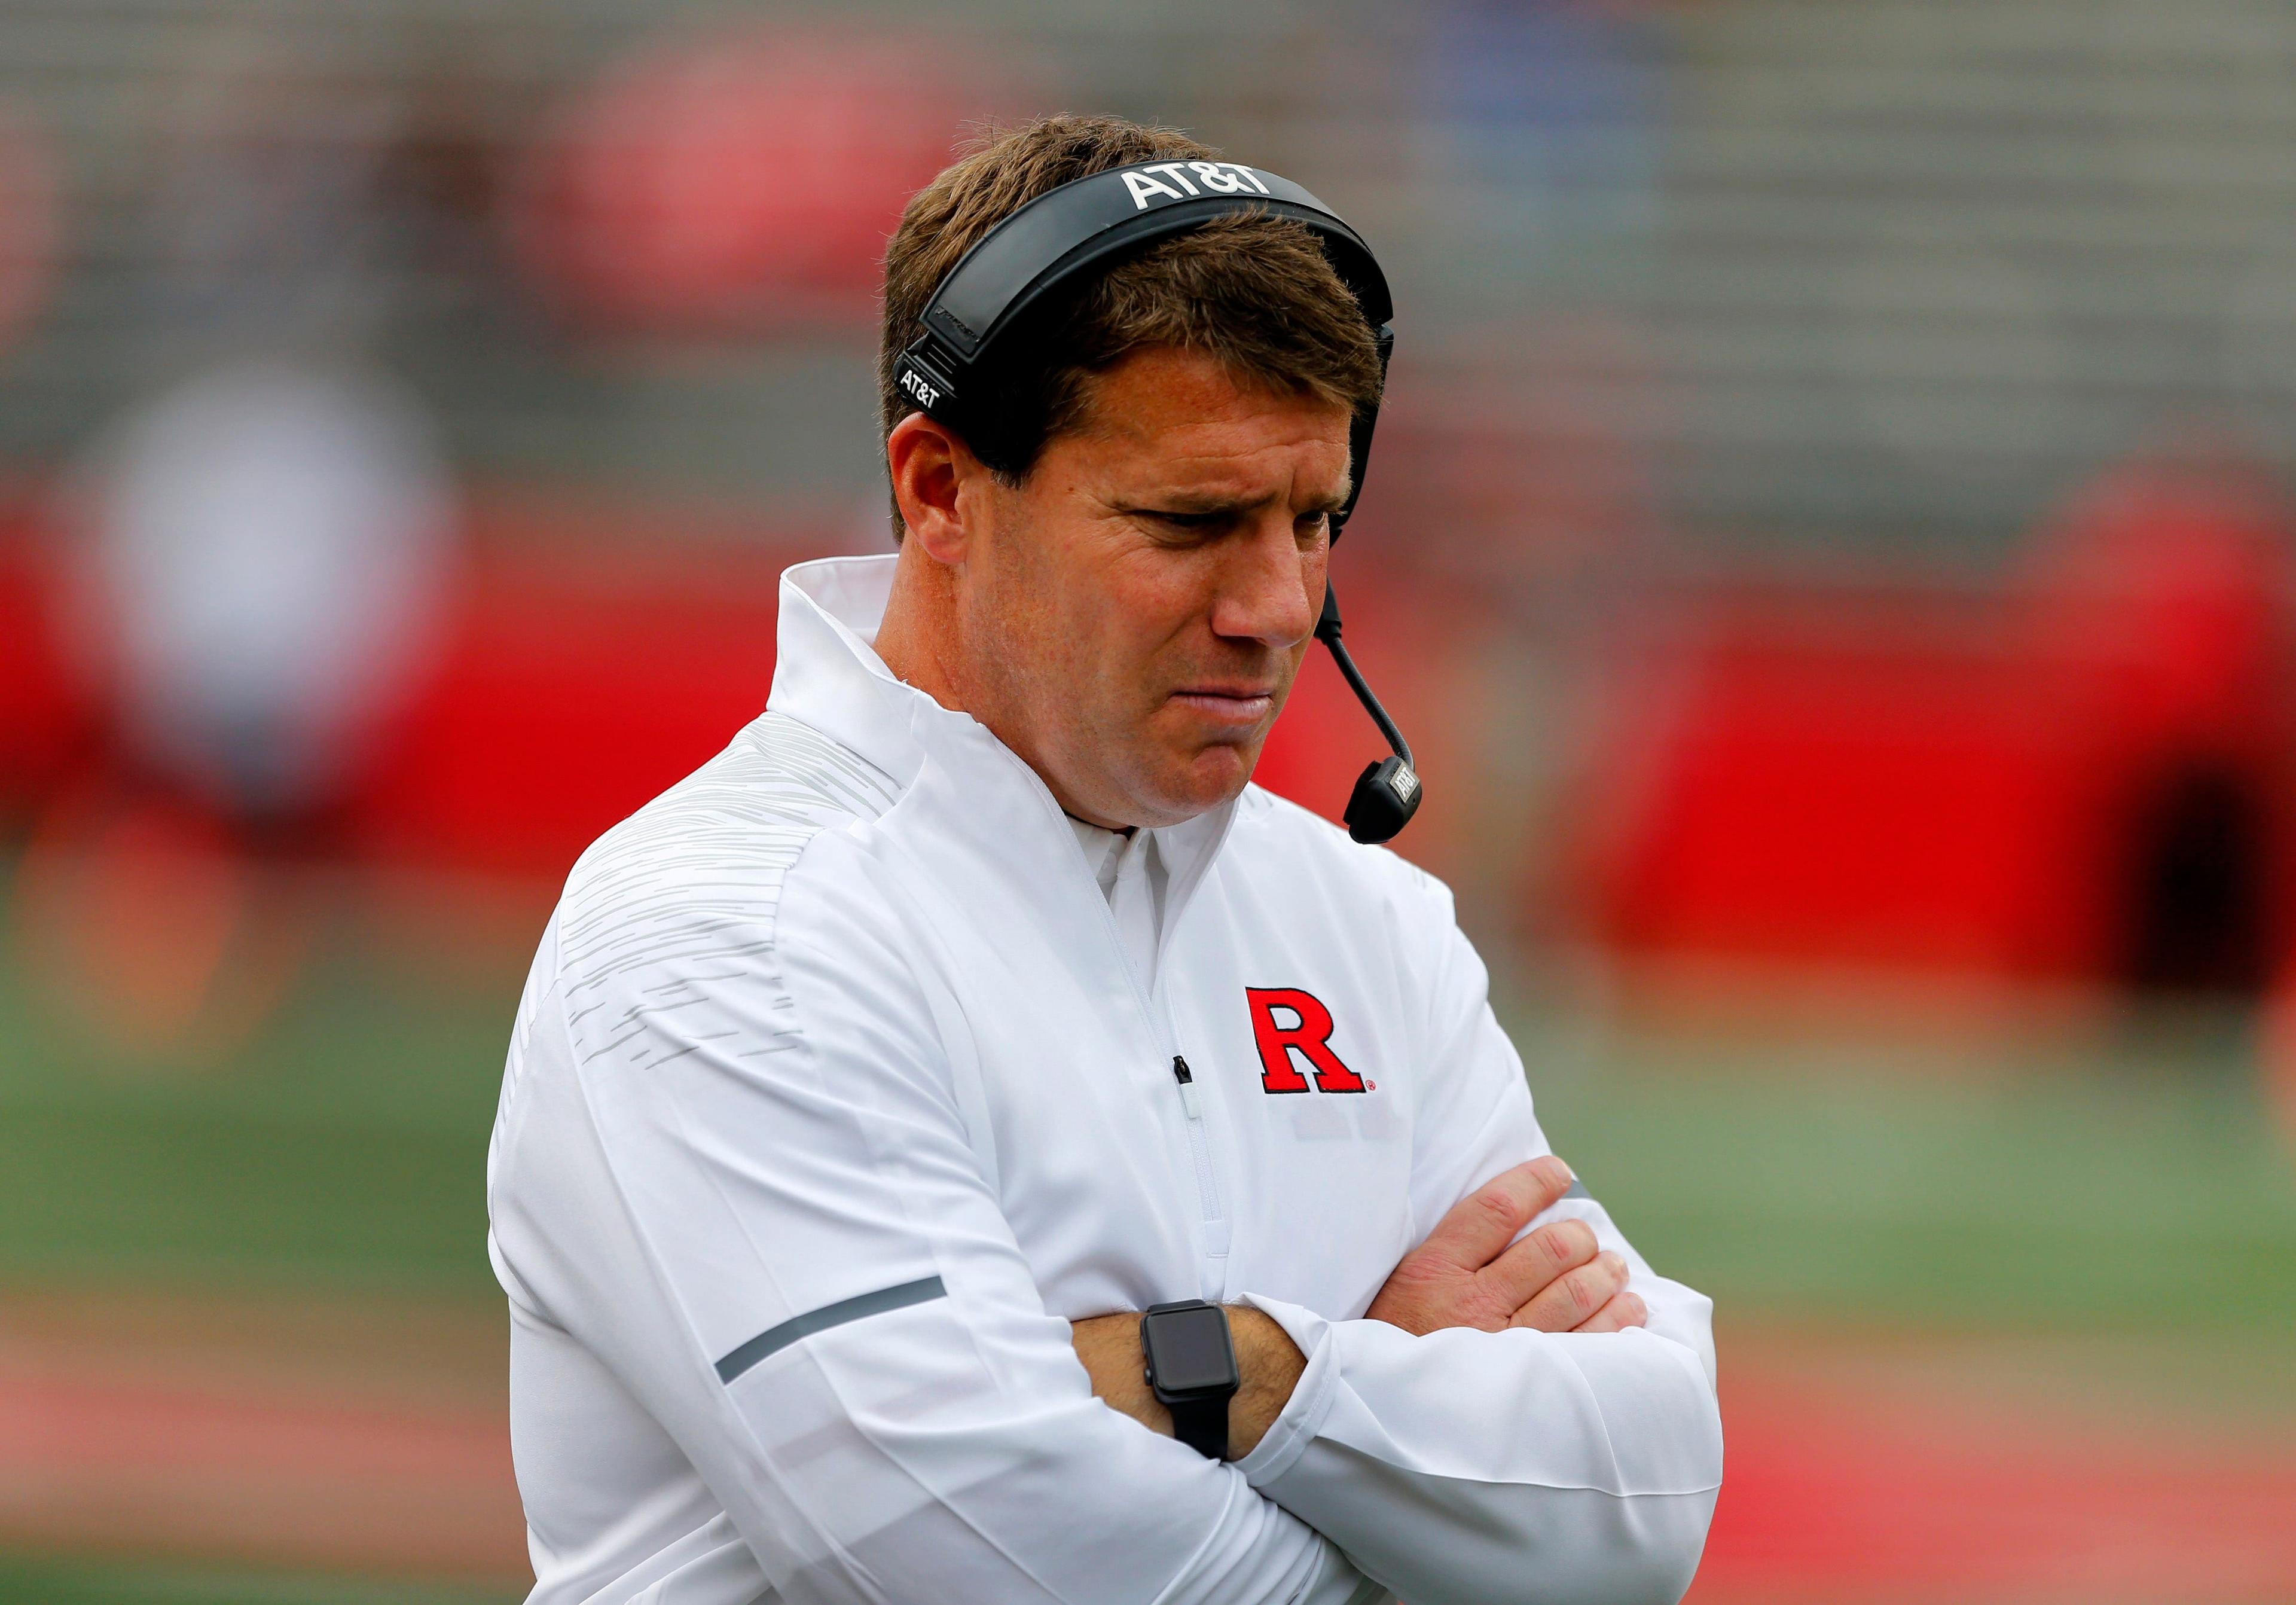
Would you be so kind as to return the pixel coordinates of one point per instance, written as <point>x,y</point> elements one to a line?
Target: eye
<point>1189,527</point>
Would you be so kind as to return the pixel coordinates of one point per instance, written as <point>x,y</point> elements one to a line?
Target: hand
<point>1471,1271</point>
<point>1268,1363</point>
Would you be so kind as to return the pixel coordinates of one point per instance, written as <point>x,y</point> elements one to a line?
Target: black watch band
<point>1201,1424</point>
<point>1191,1370</point>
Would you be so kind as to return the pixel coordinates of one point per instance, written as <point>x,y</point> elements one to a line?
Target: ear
<point>936,480</point>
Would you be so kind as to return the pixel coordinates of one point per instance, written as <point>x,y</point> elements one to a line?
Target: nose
<point>1271,587</point>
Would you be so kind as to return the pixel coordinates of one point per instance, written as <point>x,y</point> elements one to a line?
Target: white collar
<point>1099,845</point>
<point>827,674</point>
<point>826,671</point>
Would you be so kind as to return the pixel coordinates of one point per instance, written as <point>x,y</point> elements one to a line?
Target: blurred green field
<point>2131,1196</point>
<point>55,1582</point>
<point>346,1146</point>
<point>2122,1188</point>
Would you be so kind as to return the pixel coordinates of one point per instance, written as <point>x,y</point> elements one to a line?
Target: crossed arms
<point>1476,1269</point>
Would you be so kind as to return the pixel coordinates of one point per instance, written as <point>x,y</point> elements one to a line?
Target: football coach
<point>966,1145</point>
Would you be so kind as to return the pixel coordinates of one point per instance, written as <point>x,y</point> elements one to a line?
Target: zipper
<point>1199,1147</point>
<point>1192,1102</point>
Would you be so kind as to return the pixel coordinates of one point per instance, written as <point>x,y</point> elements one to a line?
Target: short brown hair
<point>1253,289</point>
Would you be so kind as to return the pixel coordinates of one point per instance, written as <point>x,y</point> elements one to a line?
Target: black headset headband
<point>1081,228</point>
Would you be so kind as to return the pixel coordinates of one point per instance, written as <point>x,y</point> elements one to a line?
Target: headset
<point>1083,227</point>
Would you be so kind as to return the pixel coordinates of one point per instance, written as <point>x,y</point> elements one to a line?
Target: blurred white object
<point>267,561</point>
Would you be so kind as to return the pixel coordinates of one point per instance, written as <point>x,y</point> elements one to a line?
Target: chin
<point>1216,775</point>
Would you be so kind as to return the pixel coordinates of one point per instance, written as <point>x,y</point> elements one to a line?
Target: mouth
<point>1237,707</point>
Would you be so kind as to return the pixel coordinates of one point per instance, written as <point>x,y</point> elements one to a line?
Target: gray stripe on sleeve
<point>775,1339</point>
<point>1577,1189</point>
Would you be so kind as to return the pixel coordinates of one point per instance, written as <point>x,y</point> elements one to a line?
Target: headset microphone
<point>1386,794</point>
<point>1080,228</point>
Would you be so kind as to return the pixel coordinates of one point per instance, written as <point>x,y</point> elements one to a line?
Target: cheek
<point>1028,612</point>
<point>1067,652</point>
<point>1132,628</point>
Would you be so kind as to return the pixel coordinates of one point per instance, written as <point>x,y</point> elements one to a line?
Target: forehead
<point>1178,413</point>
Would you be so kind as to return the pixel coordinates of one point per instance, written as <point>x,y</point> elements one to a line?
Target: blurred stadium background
<point>1830,536</point>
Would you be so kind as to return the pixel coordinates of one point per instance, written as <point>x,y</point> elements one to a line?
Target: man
<point>872,1082</point>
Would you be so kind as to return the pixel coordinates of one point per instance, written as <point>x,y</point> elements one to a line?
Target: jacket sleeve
<point>1467,1466</point>
<point>732,1169</point>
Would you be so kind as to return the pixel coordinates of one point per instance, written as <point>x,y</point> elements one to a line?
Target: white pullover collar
<point>827,674</point>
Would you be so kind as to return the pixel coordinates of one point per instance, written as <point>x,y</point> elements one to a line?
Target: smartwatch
<point>1191,1370</point>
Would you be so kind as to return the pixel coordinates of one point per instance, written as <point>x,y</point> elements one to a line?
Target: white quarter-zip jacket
<point>834,1095</point>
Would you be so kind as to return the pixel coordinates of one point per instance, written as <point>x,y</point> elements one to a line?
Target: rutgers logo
<point>1287,1021</point>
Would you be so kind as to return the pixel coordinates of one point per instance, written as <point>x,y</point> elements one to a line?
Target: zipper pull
<point>1191,1100</point>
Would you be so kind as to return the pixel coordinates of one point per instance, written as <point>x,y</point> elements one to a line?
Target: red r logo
<point>1309,1036</point>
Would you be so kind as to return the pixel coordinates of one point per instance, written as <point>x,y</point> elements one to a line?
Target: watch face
<point>1188,1350</point>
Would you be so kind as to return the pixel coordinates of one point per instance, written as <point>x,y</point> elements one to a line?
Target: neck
<point>923,643</point>
<point>918,639</point>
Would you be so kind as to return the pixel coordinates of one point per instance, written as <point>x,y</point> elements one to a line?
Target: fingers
<point>1623,1311</point>
<point>1516,1276</point>
<point>1481,1225</point>
<point>1574,1296</point>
